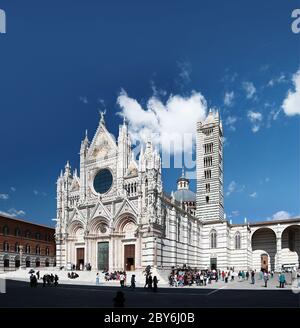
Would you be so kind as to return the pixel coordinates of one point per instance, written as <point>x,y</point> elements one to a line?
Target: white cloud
<point>249,89</point>
<point>156,91</point>
<point>4,196</point>
<point>277,80</point>
<point>230,122</point>
<point>229,77</point>
<point>165,123</point>
<point>185,71</point>
<point>36,192</point>
<point>255,118</point>
<point>13,212</point>
<point>231,188</point>
<point>84,99</point>
<point>291,104</point>
<point>228,98</point>
<point>13,189</point>
<point>234,187</point>
<point>281,215</point>
<point>254,195</point>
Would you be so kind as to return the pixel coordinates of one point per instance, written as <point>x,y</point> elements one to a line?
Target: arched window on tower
<point>237,240</point>
<point>213,239</point>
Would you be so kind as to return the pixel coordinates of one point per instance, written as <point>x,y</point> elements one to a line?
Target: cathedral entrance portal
<point>129,257</point>
<point>80,258</point>
<point>103,248</point>
<point>213,263</point>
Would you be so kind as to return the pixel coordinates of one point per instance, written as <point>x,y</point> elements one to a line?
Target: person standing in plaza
<point>44,280</point>
<point>150,281</point>
<point>266,278</point>
<point>247,275</point>
<point>146,281</point>
<point>122,278</point>
<point>281,280</point>
<point>56,280</point>
<point>155,282</point>
<point>223,275</point>
<point>97,278</point>
<point>252,277</point>
<point>201,279</point>
<point>133,282</point>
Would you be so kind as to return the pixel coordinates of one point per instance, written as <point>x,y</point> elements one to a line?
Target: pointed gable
<point>103,144</point>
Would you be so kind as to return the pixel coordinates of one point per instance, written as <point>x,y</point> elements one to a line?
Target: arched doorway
<point>6,262</point>
<point>47,262</point>
<point>126,225</point>
<point>290,247</point>
<point>99,229</point>
<point>27,262</point>
<point>37,262</point>
<point>263,249</point>
<point>76,239</point>
<point>17,261</point>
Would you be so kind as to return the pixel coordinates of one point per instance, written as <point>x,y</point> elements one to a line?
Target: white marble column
<point>278,254</point>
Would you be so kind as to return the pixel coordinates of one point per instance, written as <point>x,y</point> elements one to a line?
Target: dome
<point>184,195</point>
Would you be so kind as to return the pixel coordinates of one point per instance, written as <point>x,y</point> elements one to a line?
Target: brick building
<point>25,243</point>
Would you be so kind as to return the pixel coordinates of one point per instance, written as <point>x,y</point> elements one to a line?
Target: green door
<point>103,256</point>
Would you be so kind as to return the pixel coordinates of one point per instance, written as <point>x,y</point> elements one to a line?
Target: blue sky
<point>61,61</point>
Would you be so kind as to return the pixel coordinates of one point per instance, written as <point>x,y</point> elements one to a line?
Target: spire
<point>182,172</point>
<point>67,169</point>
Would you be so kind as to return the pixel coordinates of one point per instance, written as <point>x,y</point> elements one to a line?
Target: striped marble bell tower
<point>209,142</point>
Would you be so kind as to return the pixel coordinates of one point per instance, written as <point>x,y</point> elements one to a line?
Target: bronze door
<point>129,257</point>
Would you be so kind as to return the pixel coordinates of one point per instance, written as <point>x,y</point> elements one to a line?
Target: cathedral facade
<point>113,214</point>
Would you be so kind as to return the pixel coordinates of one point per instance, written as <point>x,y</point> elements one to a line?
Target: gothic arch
<point>290,245</point>
<point>263,242</point>
<point>124,220</point>
<point>97,224</point>
<point>74,226</point>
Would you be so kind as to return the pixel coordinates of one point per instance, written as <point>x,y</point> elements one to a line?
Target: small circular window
<point>103,181</point>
